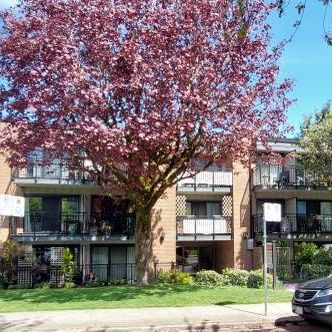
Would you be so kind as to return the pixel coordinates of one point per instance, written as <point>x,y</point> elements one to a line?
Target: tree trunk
<point>143,246</point>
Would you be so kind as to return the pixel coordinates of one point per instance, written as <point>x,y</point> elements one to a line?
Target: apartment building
<point>210,221</point>
<point>200,224</point>
<point>306,203</point>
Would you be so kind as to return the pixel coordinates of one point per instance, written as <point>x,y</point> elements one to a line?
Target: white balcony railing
<point>203,225</point>
<point>216,181</point>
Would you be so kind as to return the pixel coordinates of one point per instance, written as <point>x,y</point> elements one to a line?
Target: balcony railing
<point>215,181</point>
<point>209,227</point>
<point>296,224</point>
<point>55,173</point>
<point>276,176</point>
<point>46,225</point>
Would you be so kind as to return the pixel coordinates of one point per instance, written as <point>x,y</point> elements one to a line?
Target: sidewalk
<point>144,319</point>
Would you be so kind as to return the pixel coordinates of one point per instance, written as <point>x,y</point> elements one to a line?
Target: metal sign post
<point>265,266</point>
<point>271,212</point>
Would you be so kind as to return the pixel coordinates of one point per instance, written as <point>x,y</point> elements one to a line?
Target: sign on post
<point>272,213</point>
<point>12,206</point>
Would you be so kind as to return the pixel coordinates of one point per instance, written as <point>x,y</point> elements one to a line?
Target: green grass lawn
<point>131,297</point>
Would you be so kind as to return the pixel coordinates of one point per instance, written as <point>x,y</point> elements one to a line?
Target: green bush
<point>68,267</point>
<point>118,282</point>
<point>43,285</point>
<point>18,287</point>
<point>313,271</point>
<point>208,278</point>
<point>306,253</point>
<point>164,278</point>
<point>94,283</point>
<point>69,284</point>
<point>284,274</point>
<point>256,279</point>
<point>176,278</point>
<point>235,277</point>
<point>323,257</point>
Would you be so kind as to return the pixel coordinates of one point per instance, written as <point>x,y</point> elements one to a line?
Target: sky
<point>307,59</point>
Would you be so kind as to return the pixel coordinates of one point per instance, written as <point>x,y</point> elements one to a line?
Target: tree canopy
<point>316,141</point>
<point>142,89</point>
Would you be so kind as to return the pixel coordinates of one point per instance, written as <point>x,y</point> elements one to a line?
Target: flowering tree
<point>140,88</point>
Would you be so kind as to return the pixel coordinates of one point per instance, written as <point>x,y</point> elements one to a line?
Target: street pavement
<point>248,317</point>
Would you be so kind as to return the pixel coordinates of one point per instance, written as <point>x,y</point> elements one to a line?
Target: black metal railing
<point>204,225</point>
<point>207,181</point>
<point>87,274</point>
<point>296,224</point>
<point>106,224</point>
<point>55,172</point>
<point>47,224</point>
<point>277,176</point>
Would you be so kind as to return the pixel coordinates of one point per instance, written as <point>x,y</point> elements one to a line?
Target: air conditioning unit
<point>250,244</point>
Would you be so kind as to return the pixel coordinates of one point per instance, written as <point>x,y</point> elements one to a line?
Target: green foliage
<point>256,279</point>
<point>69,284</point>
<point>18,287</point>
<point>284,274</point>
<point>306,253</point>
<point>313,271</point>
<point>235,277</point>
<point>323,257</point>
<point>42,285</point>
<point>175,278</point>
<point>208,278</point>
<point>281,243</point>
<point>118,282</point>
<point>316,133</point>
<point>9,253</point>
<point>68,267</point>
<point>94,283</point>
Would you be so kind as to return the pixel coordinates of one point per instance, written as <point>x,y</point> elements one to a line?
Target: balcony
<point>284,177</point>
<point>191,228</point>
<point>296,224</point>
<point>45,226</point>
<point>56,173</point>
<point>208,181</point>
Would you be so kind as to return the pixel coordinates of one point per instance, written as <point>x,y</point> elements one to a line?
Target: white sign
<point>272,212</point>
<point>12,206</point>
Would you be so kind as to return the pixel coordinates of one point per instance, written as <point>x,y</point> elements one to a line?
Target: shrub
<point>306,253</point>
<point>284,274</point>
<point>208,278</point>
<point>94,283</point>
<point>164,278</point>
<point>68,267</point>
<point>235,277</point>
<point>183,278</point>
<point>313,271</point>
<point>43,285</point>
<point>176,278</point>
<point>323,257</point>
<point>18,287</point>
<point>69,284</point>
<point>256,279</point>
<point>118,282</point>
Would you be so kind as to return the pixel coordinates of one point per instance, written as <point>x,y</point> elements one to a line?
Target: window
<point>203,209</point>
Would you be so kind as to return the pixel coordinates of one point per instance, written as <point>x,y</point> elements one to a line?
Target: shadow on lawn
<point>225,303</point>
<point>115,293</point>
